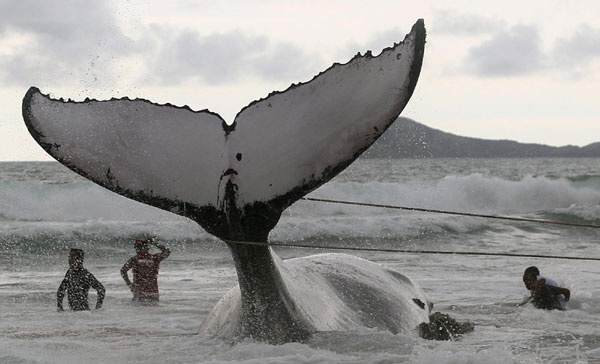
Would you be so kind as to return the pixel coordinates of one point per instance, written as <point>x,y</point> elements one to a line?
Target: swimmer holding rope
<point>545,293</point>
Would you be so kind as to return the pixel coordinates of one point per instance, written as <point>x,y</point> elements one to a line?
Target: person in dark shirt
<point>145,270</point>
<point>545,293</point>
<point>77,283</point>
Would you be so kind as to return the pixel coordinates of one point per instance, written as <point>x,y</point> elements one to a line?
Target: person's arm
<point>126,267</point>
<point>164,252</point>
<point>535,291</point>
<point>559,290</point>
<point>60,295</point>
<point>95,284</point>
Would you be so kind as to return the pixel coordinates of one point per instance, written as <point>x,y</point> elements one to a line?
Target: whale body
<point>236,179</point>
<point>334,292</point>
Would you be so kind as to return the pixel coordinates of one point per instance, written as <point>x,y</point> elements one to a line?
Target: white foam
<point>87,208</point>
<point>474,194</point>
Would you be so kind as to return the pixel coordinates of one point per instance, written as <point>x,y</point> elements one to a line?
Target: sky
<point>521,70</point>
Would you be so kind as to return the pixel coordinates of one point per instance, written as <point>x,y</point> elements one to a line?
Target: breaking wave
<point>84,209</point>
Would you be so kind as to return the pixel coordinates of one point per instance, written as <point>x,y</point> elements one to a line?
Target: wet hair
<point>139,242</point>
<point>77,254</point>
<point>531,271</point>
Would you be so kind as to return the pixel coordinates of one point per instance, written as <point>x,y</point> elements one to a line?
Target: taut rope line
<point>450,212</point>
<point>408,251</point>
<point>441,252</point>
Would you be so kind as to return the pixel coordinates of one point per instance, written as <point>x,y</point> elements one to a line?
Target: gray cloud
<point>285,61</point>
<point>80,42</point>
<point>214,58</point>
<point>462,24</point>
<point>513,52</point>
<point>57,20</point>
<point>67,41</point>
<point>222,57</point>
<point>579,49</point>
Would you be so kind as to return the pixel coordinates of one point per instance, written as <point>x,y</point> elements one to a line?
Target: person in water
<point>77,283</point>
<point>145,270</point>
<point>545,293</point>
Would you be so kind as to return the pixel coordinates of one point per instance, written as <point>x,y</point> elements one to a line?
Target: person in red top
<point>145,270</point>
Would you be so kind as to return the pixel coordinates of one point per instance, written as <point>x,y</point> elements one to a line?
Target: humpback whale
<point>235,180</point>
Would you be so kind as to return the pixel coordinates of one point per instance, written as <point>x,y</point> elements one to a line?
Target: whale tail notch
<point>234,180</point>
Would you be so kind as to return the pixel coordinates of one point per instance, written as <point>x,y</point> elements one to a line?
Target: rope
<point>523,307</point>
<point>451,212</point>
<point>440,252</point>
<point>408,251</point>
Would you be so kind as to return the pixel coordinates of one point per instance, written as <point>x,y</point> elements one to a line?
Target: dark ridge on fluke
<point>407,138</point>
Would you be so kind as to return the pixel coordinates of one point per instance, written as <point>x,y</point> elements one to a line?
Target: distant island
<point>407,138</point>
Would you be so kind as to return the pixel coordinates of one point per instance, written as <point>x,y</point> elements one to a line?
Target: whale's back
<point>337,292</point>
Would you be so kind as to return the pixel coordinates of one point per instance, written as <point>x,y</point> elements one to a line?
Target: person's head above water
<point>530,276</point>
<point>142,245</point>
<point>76,257</point>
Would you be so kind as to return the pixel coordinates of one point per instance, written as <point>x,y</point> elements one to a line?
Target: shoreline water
<point>47,209</point>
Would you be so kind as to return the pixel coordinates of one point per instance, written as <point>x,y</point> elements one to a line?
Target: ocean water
<point>45,209</point>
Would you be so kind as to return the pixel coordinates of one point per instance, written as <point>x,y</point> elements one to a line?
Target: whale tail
<point>234,180</point>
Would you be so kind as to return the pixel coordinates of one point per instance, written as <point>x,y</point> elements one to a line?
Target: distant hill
<point>407,138</point>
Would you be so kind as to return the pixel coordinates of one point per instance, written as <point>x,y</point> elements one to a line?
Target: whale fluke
<point>235,180</point>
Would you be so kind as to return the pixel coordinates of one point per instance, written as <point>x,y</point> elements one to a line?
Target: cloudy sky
<point>521,70</point>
